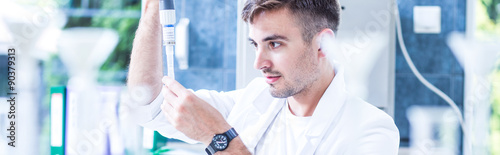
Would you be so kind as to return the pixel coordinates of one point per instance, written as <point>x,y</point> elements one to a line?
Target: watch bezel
<point>228,136</point>
<point>222,137</point>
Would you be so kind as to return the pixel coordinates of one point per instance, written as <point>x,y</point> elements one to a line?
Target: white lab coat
<point>341,123</point>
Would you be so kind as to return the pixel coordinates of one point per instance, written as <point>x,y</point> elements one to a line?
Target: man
<point>300,107</point>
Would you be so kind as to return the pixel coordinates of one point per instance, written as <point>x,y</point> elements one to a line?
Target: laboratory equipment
<point>106,138</point>
<point>434,130</point>
<point>167,20</point>
<point>84,125</point>
<point>182,41</point>
<point>57,120</point>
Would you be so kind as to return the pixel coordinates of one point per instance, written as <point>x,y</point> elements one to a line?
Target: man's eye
<point>253,43</point>
<point>274,45</point>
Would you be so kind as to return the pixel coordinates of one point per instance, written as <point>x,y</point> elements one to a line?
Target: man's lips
<point>272,79</point>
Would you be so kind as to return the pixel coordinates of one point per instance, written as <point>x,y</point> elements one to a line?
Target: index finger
<point>173,85</point>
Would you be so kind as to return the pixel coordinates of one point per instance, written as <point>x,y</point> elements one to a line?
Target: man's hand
<point>191,115</point>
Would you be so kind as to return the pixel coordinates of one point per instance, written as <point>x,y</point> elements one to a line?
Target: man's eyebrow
<point>275,37</point>
<point>272,37</point>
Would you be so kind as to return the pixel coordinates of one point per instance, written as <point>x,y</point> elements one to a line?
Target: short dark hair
<point>312,15</point>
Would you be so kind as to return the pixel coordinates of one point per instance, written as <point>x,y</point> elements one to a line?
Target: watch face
<point>220,142</point>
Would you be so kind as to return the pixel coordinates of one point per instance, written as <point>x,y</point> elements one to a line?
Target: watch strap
<point>231,134</point>
<point>210,149</point>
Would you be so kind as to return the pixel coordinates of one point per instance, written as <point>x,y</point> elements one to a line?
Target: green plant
<point>487,19</point>
<point>126,27</point>
<point>491,9</point>
<point>495,114</point>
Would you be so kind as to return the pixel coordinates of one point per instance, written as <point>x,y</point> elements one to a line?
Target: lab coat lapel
<point>266,113</point>
<point>324,116</point>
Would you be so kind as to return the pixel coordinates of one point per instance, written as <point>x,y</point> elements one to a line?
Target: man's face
<point>289,64</point>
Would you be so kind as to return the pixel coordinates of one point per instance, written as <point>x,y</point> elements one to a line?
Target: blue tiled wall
<point>212,44</point>
<point>432,57</point>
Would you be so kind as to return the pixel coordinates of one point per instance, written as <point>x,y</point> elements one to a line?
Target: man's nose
<point>262,60</point>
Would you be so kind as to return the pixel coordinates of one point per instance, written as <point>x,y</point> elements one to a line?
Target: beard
<point>283,89</point>
<point>287,91</point>
<point>298,81</point>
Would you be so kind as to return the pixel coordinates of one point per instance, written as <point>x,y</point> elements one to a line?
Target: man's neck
<point>304,103</point>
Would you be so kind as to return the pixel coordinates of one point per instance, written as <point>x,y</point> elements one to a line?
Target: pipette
<point>167,20</point>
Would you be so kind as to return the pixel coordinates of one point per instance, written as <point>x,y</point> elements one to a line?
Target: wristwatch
<point>221,141</point>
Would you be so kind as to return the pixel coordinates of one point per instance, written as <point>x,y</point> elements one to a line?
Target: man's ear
<point>324,37</point>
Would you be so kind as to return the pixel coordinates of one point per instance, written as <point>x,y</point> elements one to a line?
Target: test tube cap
<point>167,5</point>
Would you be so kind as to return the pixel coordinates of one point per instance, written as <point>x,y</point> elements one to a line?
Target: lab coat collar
<point>326,111</point>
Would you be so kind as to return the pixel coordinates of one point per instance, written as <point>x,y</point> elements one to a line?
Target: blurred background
<point>72,57</point>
